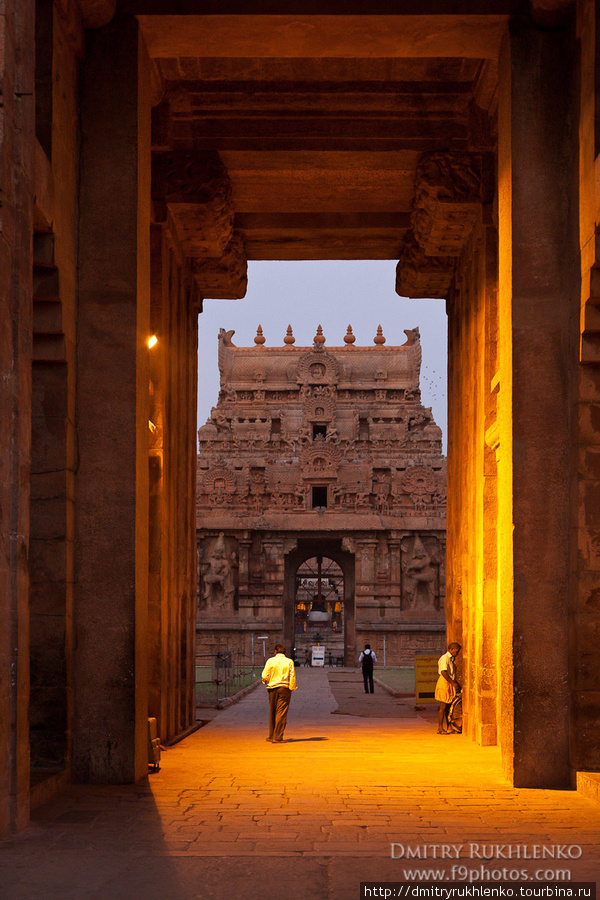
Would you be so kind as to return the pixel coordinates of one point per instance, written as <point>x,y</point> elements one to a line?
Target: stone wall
<point>16,270</point>
<point>51,554</point>
<point>257,593</point>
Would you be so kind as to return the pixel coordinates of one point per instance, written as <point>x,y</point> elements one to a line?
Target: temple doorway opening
<point>319,613</point>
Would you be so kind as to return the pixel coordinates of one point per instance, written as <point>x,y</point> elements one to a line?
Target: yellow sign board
<point>426,675</point>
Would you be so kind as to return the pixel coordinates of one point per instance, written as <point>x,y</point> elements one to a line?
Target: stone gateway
<point>321,502</point>
<point>149,150</point>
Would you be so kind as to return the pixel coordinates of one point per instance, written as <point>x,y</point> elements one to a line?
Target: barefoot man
<point>447,686</point>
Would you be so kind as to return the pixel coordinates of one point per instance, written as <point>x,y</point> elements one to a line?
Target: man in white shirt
<point>366,660</point>
<point>279,675</point>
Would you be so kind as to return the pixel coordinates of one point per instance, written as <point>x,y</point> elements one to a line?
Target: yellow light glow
<point>152,341</point>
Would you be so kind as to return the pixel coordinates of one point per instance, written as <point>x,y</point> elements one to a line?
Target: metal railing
<point>221,675</point>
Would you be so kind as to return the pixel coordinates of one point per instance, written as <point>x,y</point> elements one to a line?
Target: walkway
<point>232,816</point>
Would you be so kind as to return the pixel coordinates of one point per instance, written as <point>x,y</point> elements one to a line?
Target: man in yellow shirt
<point>279,675</point>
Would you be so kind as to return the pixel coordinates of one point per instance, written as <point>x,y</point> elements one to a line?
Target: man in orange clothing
<point>279,675</point>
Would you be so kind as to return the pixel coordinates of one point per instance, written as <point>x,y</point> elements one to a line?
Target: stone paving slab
<point>349,693</point>
<point>230,815</point>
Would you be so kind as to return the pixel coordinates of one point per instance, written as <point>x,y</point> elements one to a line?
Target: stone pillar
<point>366,572</point>
<point>471,607</point>
<point>585,611</point>
<point>367,605</point>
<point>110,666</point>
<point>172,563</point>
<point>16,269</point>
<point>538,308</point>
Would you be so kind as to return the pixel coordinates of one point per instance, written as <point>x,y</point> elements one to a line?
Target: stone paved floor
<point>230,815</point>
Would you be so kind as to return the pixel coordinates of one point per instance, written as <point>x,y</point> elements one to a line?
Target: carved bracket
<point>447,202</point>
<point>446,208</point>
<point>196,189</point>
<point>225,278</point>
<point>419,275</point>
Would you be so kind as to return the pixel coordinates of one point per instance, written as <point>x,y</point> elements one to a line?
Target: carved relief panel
<point>218,484</point>
<point>421,558</point>
<point>219,573</point>
<point>421,485</point>
<point>318,367</point>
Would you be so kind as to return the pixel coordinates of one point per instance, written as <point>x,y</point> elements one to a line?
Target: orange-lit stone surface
<point>231,815</point>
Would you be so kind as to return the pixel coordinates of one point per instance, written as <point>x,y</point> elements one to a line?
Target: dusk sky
<point>334,294</point>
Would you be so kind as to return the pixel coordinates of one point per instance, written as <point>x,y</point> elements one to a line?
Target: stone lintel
<point>302,36</point>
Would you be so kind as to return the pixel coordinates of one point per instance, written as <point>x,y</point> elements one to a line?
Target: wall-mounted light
<point>152,341</point>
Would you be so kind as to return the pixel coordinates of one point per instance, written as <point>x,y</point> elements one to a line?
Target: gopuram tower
<point>321,506</point>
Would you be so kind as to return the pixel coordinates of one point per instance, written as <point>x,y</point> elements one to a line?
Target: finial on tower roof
<point>349,337</point>
<point>289,338</point>
<point>319,337</point>
<point>259,340</point>
<point>379,338</point>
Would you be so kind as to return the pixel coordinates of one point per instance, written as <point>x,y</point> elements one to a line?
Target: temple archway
<point>319,611</point>
<point>332,582</point>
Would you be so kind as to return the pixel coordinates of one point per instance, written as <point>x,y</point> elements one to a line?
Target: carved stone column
<point>16,307</point>
<point>365,579</point>
<point>111,524</point>
<point>539,314</point>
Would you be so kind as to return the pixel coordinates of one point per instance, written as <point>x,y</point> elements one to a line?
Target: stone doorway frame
<point>323,562</point>
<point>332,549</point>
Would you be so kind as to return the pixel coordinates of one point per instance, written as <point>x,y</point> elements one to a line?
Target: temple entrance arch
<point>319,598</point>
<point>319,613</point>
